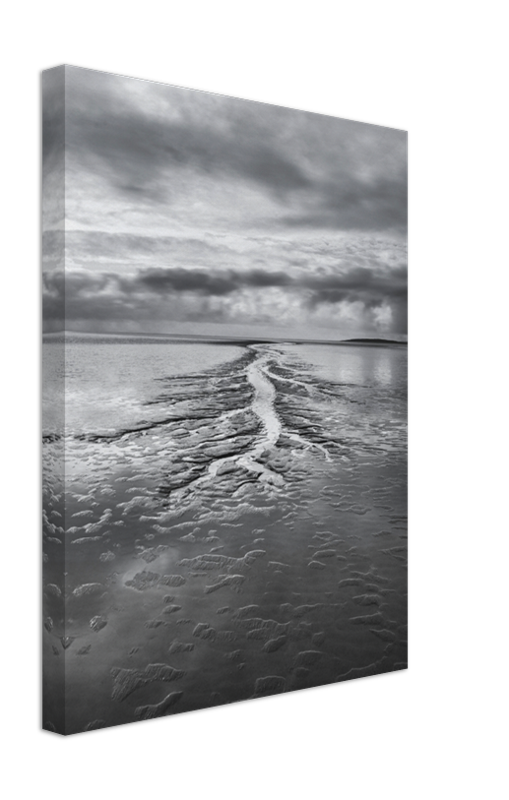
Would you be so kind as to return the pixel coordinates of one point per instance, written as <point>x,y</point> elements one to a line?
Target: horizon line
<point>207,337</point>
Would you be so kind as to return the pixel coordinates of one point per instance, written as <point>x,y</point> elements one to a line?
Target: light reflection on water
<point>362,365</point>
<point>107,384</point>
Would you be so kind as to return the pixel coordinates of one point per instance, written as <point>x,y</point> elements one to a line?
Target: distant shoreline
<point>184,338</point>
<point>371,341</point>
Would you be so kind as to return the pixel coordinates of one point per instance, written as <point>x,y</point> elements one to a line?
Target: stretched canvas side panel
<point>54,640</point>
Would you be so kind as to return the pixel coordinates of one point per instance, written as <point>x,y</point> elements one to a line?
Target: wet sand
<point>247,538</point>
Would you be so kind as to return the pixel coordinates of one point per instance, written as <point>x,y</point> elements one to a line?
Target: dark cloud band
<point>206,283</point>
<point>112,296</point>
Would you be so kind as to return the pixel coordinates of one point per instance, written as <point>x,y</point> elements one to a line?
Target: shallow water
<point>232,523</point>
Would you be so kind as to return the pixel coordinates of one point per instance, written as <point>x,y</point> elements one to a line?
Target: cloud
<point>230,296</point>
<point>53,300</point>
<point>53,107</point>
<point>53,249</point>
<point>185,206</point>
<point>366,285</point>
<point>377,205</point>
<point>206,283</point>
<point>53,139</point>
<point>154,145</point>
<point>136,149</point>
<point>182,280</point>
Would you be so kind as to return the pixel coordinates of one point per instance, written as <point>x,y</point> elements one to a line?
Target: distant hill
<point>372,341</point>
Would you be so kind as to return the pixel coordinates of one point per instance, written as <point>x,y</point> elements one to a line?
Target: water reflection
<point>383,370</point>
<point>361,365</point>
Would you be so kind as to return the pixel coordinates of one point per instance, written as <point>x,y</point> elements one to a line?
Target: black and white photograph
<point>225,400</point>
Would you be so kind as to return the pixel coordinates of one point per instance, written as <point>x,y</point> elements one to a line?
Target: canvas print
<point>224,400</point>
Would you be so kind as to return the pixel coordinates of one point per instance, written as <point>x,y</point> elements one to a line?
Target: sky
<point>190,212</point>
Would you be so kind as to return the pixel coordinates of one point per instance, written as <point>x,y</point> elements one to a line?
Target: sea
<point>221,521</point>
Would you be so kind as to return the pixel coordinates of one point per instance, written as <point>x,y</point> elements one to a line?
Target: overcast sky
<point>186,211</point>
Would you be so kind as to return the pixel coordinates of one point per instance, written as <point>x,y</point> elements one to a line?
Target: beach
<point>234,523</point>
